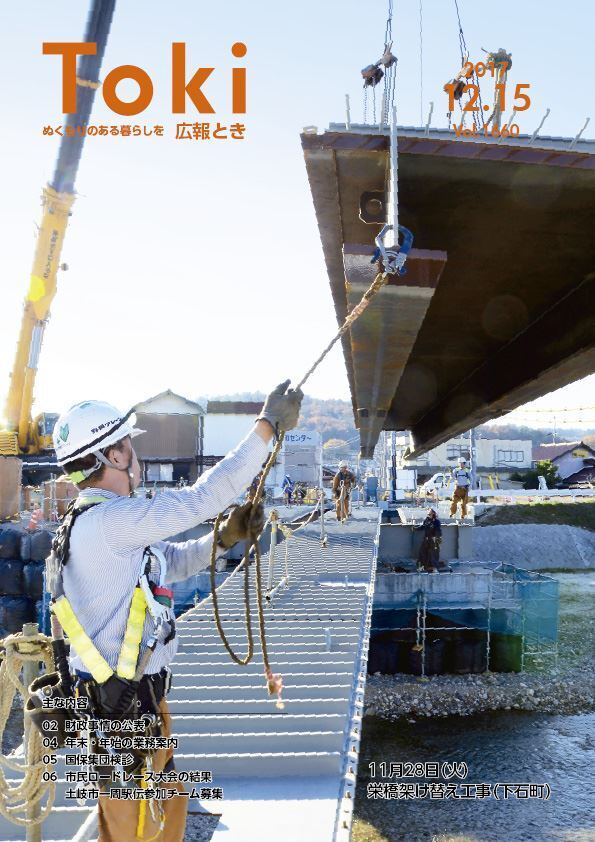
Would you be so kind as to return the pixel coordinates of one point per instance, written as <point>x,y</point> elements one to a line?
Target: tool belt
<point>134,705</point>
<point>119,697</point>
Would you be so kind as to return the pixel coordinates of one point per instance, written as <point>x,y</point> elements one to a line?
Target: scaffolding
<point>503,606</point>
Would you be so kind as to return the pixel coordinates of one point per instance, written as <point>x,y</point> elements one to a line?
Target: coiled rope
<point>16,801</point>
<point>274,682</point>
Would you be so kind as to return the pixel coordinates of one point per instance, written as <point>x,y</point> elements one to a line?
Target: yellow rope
<point>16,801</point>
<point>341,501</point>
<point>274,682</point>
<point>142,810</point>
<point>87,83</point>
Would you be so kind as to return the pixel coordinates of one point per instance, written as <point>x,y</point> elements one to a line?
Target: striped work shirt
<point>107,543</point>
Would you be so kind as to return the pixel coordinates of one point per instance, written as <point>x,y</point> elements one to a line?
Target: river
<point>497,747</point>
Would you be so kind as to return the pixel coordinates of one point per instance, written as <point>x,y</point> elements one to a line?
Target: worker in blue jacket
<point>287,487</point>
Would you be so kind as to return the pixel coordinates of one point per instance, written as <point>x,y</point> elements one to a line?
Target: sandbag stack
<point>22,565</point>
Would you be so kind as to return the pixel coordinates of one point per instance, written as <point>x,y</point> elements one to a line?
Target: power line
<point>552,410</point>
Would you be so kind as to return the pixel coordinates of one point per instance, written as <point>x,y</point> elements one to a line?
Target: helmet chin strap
<point>102,458</point>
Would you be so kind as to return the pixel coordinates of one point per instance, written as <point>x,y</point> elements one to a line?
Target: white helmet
<point>88,427</point>
<point>343,464</point>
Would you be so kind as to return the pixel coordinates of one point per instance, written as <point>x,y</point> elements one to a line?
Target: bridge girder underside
<point>508,315</point>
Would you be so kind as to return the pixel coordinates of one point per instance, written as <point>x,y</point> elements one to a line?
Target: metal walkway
<point>284,773</point>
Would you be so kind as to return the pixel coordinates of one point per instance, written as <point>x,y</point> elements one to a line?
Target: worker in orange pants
<point>462,479</point>
<point>155,820</point>
<point>343,483</point>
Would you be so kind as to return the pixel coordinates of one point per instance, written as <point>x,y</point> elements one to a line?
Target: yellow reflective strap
<point>128,658</point>
<point>142,808</point>
<point>85,648</point>
<point>86,502</point>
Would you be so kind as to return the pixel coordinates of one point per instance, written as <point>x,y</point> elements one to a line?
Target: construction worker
<point>287,488</point>
<point>343,482</point>
<point>114,538</point>
<point>371,489</point>
<point>429,551</point>
<point>462,480</point>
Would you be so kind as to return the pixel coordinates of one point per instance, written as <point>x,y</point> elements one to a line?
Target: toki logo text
<point>181,85</point>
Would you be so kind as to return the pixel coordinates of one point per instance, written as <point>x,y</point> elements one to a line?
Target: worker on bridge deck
<point>462,480</point>
<point>116,551</point>
<point>287,488</point>
<point>429,552</point>
<point>343,483</point>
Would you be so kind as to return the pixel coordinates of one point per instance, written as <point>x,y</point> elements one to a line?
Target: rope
<point>19,799</point>
<point>274,682</point>
<point>462,43</point>
<point>357,311</point>
<point>478,116</point>
<point>341,501</point>
<point>288,532</point>
<point>87,83</point>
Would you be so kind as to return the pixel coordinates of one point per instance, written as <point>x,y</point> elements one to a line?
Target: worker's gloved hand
<point>237,526</point>
<point>282,409</point>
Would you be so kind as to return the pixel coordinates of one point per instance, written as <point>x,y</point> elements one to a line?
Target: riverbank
<point>560,691</point>
<point>551,512</point>
<point>538,535</point>
<point>535,546</point>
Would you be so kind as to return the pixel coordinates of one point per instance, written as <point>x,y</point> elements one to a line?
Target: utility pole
<point>393,484</point>
<point>473,457</point>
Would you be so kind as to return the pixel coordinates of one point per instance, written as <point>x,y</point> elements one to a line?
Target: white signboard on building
<point>300,458</point>
<point>303,456</point>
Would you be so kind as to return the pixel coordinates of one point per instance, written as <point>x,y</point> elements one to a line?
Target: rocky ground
<point>200,828</point>
<point>536,546</point>
<point>392,697</point>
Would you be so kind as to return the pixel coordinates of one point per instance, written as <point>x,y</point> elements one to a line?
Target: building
<point>574,460</point>
<point>300,458</point>
<point>497,456</point>
<point>172,448</point>
<point>226,424</point>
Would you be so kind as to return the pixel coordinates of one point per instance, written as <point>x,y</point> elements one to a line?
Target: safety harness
<point>147,596</point>
<point>112,694</point>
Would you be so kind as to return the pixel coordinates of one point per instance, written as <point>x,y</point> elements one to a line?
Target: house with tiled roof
<point>575,460</point>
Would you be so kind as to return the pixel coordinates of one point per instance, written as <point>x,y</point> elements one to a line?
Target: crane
<point>24,436</point>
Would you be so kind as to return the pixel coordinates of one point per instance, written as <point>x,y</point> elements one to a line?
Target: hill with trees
<point>333,418</point>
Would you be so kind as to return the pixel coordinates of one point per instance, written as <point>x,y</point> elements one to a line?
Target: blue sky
<point>197,266</point>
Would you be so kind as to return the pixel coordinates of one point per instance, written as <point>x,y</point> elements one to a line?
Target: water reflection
<point>504,746</point>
